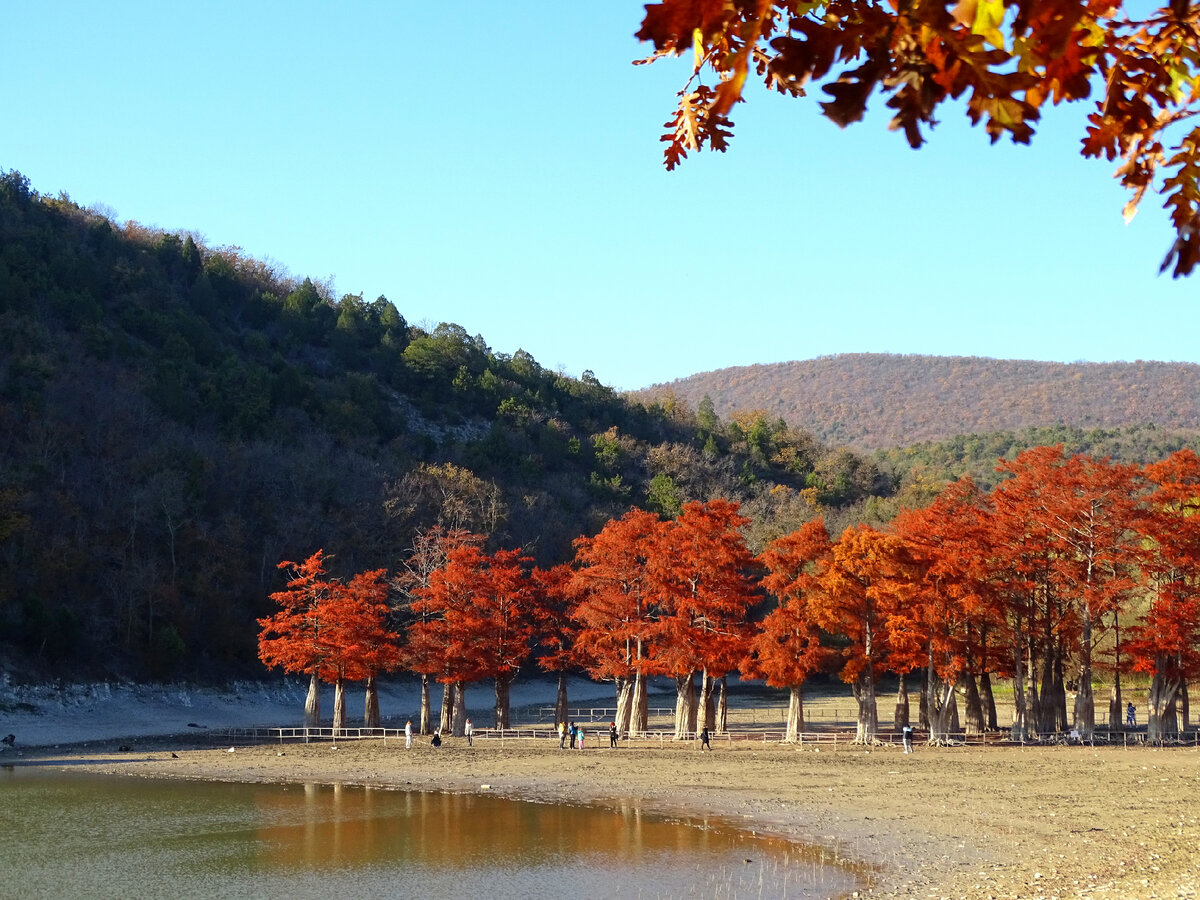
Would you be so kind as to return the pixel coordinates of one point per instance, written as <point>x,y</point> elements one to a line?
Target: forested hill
<point>176,419</point>
<point>872,401</point>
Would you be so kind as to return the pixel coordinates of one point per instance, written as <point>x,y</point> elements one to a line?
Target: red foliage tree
<point>700,569</point>
<point>1165,641</point>
<point>615,610</point>
<point>787,647</point>
<point>330,630</point>
<point>866,580</point>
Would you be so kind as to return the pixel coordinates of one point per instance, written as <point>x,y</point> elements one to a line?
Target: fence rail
<point>666,738</point>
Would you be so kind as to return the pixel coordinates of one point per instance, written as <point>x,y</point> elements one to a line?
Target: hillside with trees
<point>176,419</point>
<point>871,401</point>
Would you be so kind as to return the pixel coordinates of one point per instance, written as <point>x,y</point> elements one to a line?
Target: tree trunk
<point>625,687</point>
<point>974,723</point>
<point>1116,706</point>
<point>339,703</point>
<point>426,708</point>
<point>458,722</point>
<point>1020,711</point>
<point>941,706</point>
<point>989,701</point>
<point>685,706</point>
<point>923,704</point>
<point>723,705</point>
<point>868,712</point>
<point>639,713</point>
<point>312,703</point>
<point>560,700</point>
<point>503,708</point>
<point>1085,701</point>
<point>707,705</point>
<point>1060,692</point>
<point>371,717</point>
<point>900,716</point>
<point>795,717</point>
<point>446,719</point>
<point>1162,690</point>
<point>952,723</point>
<point>1182,705</point>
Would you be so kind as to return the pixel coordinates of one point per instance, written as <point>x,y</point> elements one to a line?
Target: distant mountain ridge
<point>875,400</point>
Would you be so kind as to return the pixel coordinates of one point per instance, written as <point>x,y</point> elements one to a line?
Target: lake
<point>68,834</point>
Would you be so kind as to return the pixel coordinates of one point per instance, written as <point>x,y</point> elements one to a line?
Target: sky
<point>498,165</point>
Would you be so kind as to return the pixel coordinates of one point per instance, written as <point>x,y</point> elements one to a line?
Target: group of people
<point>569,731</point>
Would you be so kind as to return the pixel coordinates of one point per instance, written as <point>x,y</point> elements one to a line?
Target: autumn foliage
<point>1004,60</point>
<point>1070,566</point>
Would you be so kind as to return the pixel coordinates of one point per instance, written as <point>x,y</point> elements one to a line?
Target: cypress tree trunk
<point>685,706</point>
<point>339,703</point>
<point>639,713</point>
<point>974,723</point>
<point>503,708</point>
<point>707,705</point>
<point>312,703</point>
<point>458,721</point>
<point>446,720</point>
<point>939,716</point>
<point>1162,690</point>
<point>426,707</point>
<point>723,705</point>
<point>900,714</point>
<point>1182,706</point>
<point>923,704</point>
<point>1060,692</point>
<point>795,717</point>
<point>952,724</point>
<point>624,705</point>
<point>560,700</point>
<point>989,701</point>
<point>1085,701</point>
<point>371,711</point>
<point>868,712</point>
<point>1020,711</point>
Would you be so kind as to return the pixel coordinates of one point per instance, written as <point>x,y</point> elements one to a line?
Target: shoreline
<point>973,823</point>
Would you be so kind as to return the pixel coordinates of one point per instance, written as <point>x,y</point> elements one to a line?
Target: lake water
<point>68,834</point>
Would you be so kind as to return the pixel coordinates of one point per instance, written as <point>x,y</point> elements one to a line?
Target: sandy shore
<point>995,822</point>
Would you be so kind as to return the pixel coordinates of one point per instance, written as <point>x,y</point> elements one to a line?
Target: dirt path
<point>974,823</point>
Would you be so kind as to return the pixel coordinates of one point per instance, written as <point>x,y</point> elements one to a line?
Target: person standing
<point>612,735</point>
<point>468,731</point>
<point>579,737</point>
<point>562,735</point>
<point>408,735</point>
<point>571,734</point>
<point>704,744</point>
<point>1131,716</point>
<point>906,734</point>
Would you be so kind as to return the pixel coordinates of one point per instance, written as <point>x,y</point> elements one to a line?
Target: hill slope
<point>871,401</point>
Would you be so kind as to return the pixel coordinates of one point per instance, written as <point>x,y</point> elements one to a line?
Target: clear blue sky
<point>497,165</point>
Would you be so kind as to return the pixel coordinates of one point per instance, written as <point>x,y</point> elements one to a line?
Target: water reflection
<point>68,834</point>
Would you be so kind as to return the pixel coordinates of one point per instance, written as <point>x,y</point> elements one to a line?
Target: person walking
<point>469,731</point>
<point>408,735</point>
<point>704,744</point>
<point>612,735</point>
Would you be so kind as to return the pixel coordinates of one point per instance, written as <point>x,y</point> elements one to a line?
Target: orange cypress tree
<point>330,630</point>
<point>616,611</point>
<point>867,578</point>
<point>787,647</point>
<point>1166,639</point>
<point>700,568</point>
